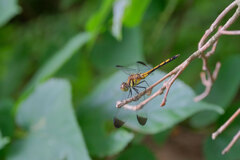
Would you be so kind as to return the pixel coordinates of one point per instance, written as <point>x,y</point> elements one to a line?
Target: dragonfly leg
<point>144,90</point>
<point>130,93</point>
<point>136,90</point>
<point>142,118</point>
<point>144,81</point>
<point>140,87</point>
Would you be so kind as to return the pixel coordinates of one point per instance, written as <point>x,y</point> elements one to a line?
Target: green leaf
<point>56,62</point>
<point>138,152</point>
<point>96,113</point>
<point>6,118</point>
<point>8,9</point>
<point>6,125</point>
<point>161,137</point>
<point>213,148</point>
<point>3,141</point>
<point>179,106</point>
<point>52,130</point>
<point>61,57</point>
<point>134,12</point>
<point>65,4</point>
<point>223,91</point>
<point>109,52</point>
<point>97,20</point>
<point>97,129</point>
<point>118,12</point>
<point>22,53</point>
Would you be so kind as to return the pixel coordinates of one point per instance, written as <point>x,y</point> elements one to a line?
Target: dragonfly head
<point>124,87</point>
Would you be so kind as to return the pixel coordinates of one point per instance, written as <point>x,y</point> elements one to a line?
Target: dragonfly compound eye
<point>124,87</point>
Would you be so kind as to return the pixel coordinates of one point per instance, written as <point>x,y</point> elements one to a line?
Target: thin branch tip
<point>163,104</point>
<point>223,127</point>
<point>233,141</point>
<point>214,135</point>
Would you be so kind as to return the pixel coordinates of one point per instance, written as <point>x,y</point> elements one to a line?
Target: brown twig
<point>209,53</point>
<point>180,68</point>
<point>208,82</point>
<point>168,86</point>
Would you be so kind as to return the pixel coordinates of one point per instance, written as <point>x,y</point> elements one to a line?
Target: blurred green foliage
<point>212,147</point>
<point>59,86</point>
<point>9,9</point>
<point>143,153</point>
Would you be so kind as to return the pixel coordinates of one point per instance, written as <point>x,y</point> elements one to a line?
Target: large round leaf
<point>97,127</point>
<point>97,111</point>
<point>52,131</point>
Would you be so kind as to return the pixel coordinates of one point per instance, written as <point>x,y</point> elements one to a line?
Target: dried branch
<point>209,53</point>
<point>168,86</point>
<point>208,82</point>
<point>206,76</point>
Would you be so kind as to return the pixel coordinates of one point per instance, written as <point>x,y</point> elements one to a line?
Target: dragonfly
<point>133,84</point>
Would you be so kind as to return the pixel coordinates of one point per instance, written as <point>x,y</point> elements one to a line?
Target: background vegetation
<point>59,86</point>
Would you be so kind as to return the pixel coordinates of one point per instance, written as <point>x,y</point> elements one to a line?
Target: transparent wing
<point>122,115</point>
<point>127,70</point>
<point>142,67</point>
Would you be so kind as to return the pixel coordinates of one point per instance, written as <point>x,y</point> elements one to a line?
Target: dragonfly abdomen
<point>158,66</point>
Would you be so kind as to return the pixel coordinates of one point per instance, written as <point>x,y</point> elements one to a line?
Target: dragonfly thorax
<point>132,81</point>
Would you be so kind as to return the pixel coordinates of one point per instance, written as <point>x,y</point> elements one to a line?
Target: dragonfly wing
<point>142,63</point>
<point>141,114</point>
<point>126,70</point>
<point>141,120</point>
<point>121,117</point>
<point>142,67</point>
<point>117,122</point>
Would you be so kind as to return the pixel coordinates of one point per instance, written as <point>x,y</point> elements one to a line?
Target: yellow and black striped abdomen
<point>144,75</point>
